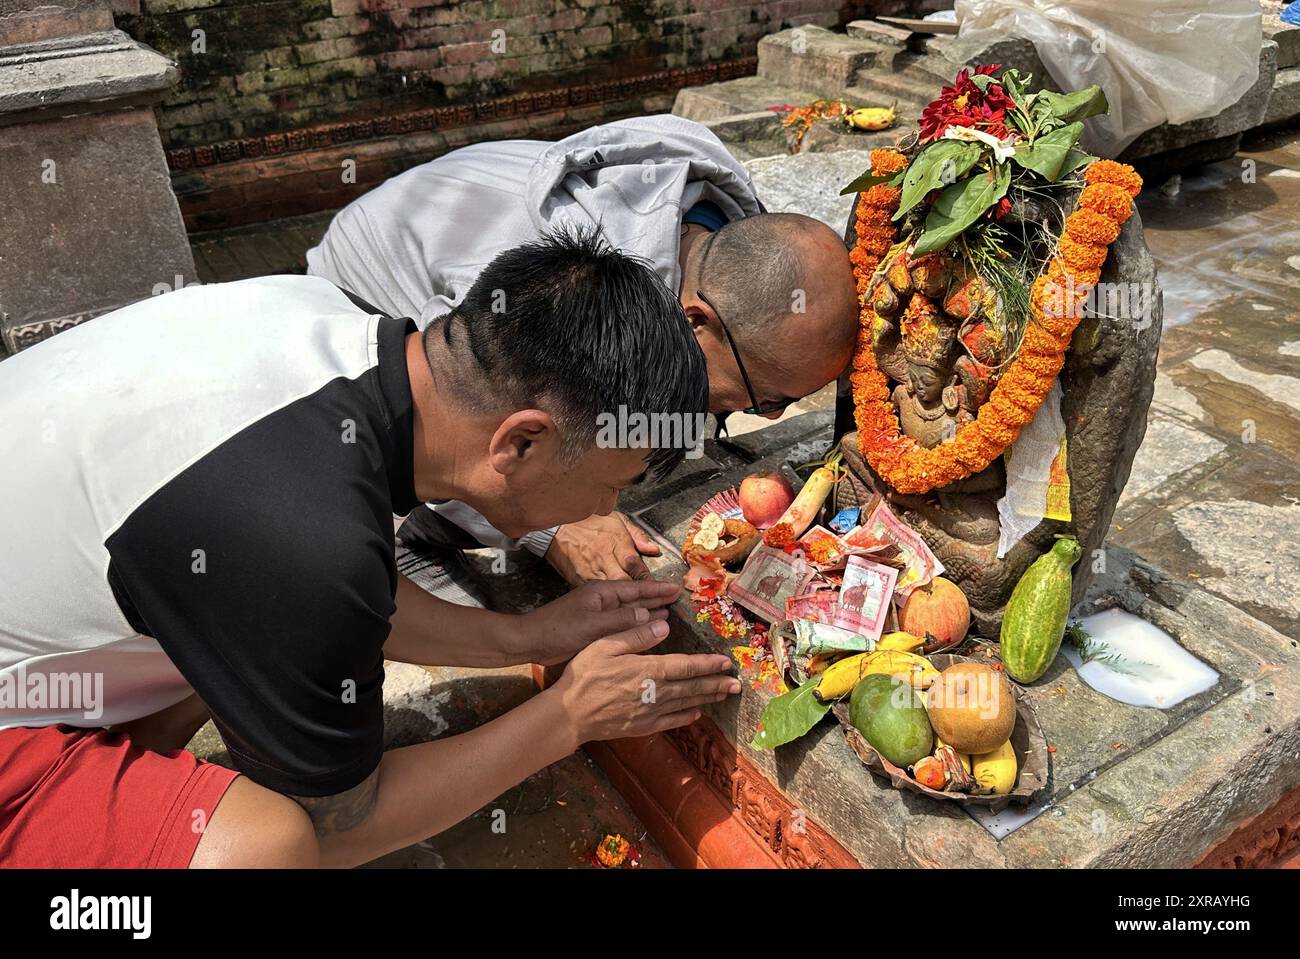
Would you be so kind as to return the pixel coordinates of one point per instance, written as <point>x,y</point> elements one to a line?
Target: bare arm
<point>418,791</point>
<point>430,631</point>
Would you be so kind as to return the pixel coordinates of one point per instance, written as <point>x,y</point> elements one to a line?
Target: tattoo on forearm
<point>343,811</point>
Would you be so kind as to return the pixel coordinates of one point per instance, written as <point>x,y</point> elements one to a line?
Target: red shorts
<point>88,798</point>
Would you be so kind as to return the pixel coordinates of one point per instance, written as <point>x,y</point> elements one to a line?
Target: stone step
<point>815,58</point>
<point>1287,38</point>
<point>1284,101</point>
<point>746,95</point>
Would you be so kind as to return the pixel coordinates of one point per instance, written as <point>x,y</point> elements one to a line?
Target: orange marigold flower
<point>1061,275</point>
<point>1038,339</point>
<point>1107,199</point>
<point>1081,256</point>
<point>876,216</point>
<point>875,239</point>
<point>1088,226</point>
<point>883,197</point>
<point>1002,406</point>
<point>1120,174</point>
<point>1038,362</point>
<point>886,161</point>
<point>967,448</point>
<point>999,432</point>
<point>779,536</point>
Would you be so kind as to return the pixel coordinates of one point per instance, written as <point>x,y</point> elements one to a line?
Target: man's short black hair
<point>569,325</point>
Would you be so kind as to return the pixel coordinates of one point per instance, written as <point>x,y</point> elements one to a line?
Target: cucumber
<point>1034,621</point>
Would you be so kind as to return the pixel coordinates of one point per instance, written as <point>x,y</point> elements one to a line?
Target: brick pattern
<point>517,106</point>
<point>253,68</point>
<point>236,183</point>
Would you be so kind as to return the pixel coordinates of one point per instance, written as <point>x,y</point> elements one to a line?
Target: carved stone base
<point>706,806</point>
<point>1269,841</point>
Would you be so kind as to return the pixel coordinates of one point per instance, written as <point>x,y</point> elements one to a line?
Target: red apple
<point>764,497</point>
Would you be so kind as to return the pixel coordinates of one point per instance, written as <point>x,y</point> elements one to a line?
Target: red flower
<point>965,105</point>
<point>1001,208</point>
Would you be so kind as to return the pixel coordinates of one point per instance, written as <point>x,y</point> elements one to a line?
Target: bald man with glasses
<point>661,188</point>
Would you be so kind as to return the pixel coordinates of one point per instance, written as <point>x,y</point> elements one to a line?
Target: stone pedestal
<point>90,221</point>
<point>1210,782</point>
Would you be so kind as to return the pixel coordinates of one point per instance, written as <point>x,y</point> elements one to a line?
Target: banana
<point>871,118</point>
<point>995,772</point>
<point>840,678</point>
<point>900,640</point>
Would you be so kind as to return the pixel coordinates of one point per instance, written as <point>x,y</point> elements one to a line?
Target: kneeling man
<point>208,480</point>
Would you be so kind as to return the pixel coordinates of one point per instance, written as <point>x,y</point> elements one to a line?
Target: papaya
<point>1033,624</point>
<point>891,716</point>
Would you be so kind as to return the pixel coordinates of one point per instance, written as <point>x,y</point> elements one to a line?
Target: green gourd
<point>1034,621</point>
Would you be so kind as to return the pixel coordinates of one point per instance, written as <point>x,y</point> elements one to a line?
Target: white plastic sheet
<point>1158,60</point>
<point>1029,472</point>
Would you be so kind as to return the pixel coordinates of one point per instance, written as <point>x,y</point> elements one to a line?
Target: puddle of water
<point>1141,664</point>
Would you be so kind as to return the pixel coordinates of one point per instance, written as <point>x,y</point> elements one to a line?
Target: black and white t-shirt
<point>198,492</point>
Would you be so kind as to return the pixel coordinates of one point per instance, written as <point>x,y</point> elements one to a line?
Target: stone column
<point>88,220</point>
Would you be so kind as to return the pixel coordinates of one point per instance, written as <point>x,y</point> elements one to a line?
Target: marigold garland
<point>1056,305</point>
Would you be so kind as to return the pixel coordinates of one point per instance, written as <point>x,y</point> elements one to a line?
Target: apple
<point>764,497</point>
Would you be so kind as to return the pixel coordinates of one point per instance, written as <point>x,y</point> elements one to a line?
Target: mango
<point>891,716</point>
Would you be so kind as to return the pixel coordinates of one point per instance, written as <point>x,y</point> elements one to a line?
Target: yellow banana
<point>995,772</point>
<point>900,640</point>
<point>871,118</point>
<point>840,678</point>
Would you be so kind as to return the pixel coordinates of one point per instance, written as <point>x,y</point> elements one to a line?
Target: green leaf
<point>1079,105</point>
<point>865,182</point>
<point>938,165</point>
<point>961,205</point>
<point>1015,86</point>
<point>1046,154</point>
<point>789,716</point>
<point>1073,160</point>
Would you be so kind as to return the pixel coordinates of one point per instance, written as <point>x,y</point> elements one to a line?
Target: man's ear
<point>699,316</point>
<point>522,437</point>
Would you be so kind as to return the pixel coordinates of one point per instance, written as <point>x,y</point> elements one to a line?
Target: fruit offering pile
<point>950,731</point>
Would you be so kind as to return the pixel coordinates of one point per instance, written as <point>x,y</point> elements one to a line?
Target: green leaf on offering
<point>789,716</point>
<point>1046,154</point>
<point>865,182</point>
<point>1015,85</point>
<point>960,205</point>
<point>938,165</point>
<point>1073,160</point>
<point>1079,105</point>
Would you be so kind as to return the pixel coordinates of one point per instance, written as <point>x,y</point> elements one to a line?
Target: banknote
<point>881,526</point>
<point>796,643</point>
<point>864,597</point>
<point>817,606</point>
<point>770,577</point>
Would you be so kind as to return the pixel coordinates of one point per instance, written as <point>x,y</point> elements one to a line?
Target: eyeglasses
<point>756,408</point>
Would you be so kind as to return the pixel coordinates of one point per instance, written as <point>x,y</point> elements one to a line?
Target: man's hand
<point>601,547</point>
<point>610,692</point>
<point>562,628</point>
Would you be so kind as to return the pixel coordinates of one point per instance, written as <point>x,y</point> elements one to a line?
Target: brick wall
<point>292,106</point>
<point>265,66</point>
